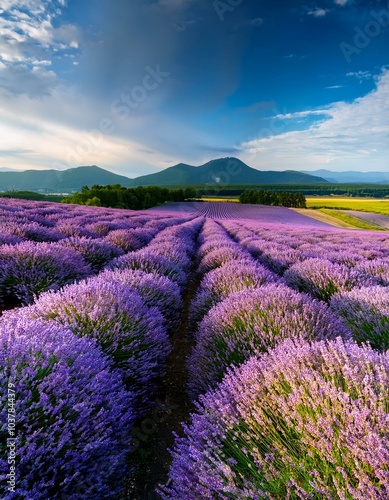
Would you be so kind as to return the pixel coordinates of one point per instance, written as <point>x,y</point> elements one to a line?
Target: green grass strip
<point>349,219</point>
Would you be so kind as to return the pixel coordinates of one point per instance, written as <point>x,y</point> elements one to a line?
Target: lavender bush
<point>220,256</point>
<point>250,322</point>
<point>366,312</point>
<point>73,415</point>
<point>303,421</point>
<point>131,333</point>
<point>172,251</point>
<point>322,278</point>
<point>377,269</point>
<point>221,282</point>
<point>125,239</point>
<point>70,227</point>
<point>96,252</point>
<point>145,260</point>
<point>156,290</point>
<point>29,230</point>
<point>28,269</point>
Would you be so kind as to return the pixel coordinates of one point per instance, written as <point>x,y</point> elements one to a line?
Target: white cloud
<point>258,21</point>
<point>361,75</point>
<point>318,12</point>
<point>29,37</point>
<point>342,3</point>
<point>351,136</point>
<point>21,79</point>
<point>302,114</point>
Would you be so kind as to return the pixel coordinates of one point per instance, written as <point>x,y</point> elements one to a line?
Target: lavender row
<point>293,406</point>
<point>95,349</point>
<point>28,268</point>
<point>241,308</point>
<point>332,267</point>
<point>304,420</point>
<point>73,415</point>
<point>224,268</point>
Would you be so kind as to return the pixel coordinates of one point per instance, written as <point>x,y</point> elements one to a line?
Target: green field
<point>349,219</point>
<point>359,204</point>
<point>32,195</point>
<point>232,199</point>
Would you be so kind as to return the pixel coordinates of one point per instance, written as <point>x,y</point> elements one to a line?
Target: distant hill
<point>222,171</point>
<point>351,176</point>
<point>59,181</point>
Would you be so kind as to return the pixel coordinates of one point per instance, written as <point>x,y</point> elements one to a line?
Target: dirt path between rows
<point>155,431</point>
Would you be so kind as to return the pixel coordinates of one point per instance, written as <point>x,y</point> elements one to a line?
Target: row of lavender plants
<point>350,272</point>
<point>84,360</point>
<point>291,402</point>
<point>45,246</point>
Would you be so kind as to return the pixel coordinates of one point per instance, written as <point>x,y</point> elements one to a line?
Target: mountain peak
<point>222,172</point>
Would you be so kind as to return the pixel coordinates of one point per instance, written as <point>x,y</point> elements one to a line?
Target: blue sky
<point>136,86</point>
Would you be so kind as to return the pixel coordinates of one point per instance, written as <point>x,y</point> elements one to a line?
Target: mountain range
<point>222,171</point>
<point>352,176</point>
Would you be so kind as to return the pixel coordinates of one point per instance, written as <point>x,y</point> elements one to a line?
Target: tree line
<point>139,198</point>
<point>277,199</point>
<point>312,189</point>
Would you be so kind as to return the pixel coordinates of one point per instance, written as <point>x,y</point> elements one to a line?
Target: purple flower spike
<point>131,333</point>
<point>250,322</point>
<point>322,278</point>
<point>221,282</point>
<point>28,269</point>
<point>73,415</point>
<point>366,312</point>
<point>303,421</point>
<point>155,290</point>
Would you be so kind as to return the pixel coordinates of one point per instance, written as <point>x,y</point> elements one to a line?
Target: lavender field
<point>264,332</point>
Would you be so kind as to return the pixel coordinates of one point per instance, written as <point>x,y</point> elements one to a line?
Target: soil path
<point>315,214</point>
<point>155,431</point>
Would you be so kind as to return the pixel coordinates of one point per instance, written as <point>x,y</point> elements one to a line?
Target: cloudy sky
<point>135,86</point>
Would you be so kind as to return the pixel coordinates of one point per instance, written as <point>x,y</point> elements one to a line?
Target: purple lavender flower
<point>144,234</point>
<point>222,255</point>
<point>252,321</point>
<point>145,260</point>
<point>8,238</point>
<point>213,244</point>
<point>28,269</point>
<point>366,312</point>
<point>73,415</point>
<point>72,228</point>
<point>29,230</point>
<point>156,290</point>
<point>322,278</point>
<point>377,269</point>
<point>125,239</point>
<point>173,252</point>
<point>221,282</point>
<point>118,318</point>
<point>99,228</point>
<point>96,252</point>
<point>302,421</point>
